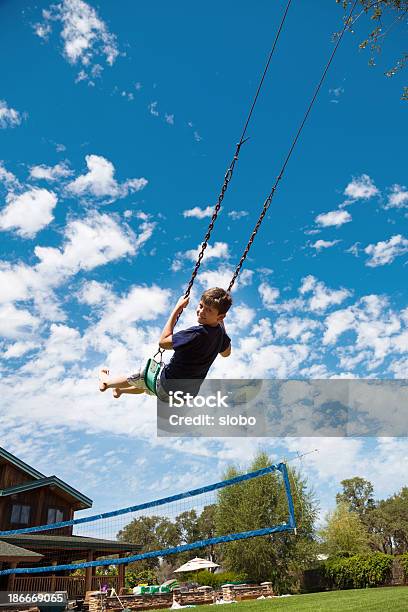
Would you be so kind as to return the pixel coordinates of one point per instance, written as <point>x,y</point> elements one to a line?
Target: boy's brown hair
<point>217,298</point>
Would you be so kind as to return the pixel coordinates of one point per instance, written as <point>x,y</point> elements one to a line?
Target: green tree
<point>358,495</point>
<point>261,503</point>
<point>344,533</point>
<point>152,533</point>
<point>187,525</point>
<point>384,16</point>
<point>207,530</point>
<point>389,523</point>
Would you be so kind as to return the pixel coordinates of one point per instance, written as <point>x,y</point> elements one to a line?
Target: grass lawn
<point>387,598</point>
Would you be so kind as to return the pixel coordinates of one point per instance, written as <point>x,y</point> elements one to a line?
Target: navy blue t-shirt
<point>195,349</point>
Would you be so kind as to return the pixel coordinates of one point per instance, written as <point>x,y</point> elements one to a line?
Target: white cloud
<point>84,35</point>
<point>119,314</point>
<point>82,76</point>
<point>323,244</point>
<point>334,461</point>
<point>337,323</point>
<point>128,95</point>
<point>384,252</point>
<point>9,117</point>
<point>222,278</point>
<point>28,212</point>
<point>399,368</point>
<point>398,198</point>
<point>322,297</point>
<point>354,249</point>
<point>277,361</point>
<point>334,217</point>
<point>94,293</point>
<point>15,322</point>
<point>153,109</point>
<point>176,265</point>
<point>18,349</point>
<point>361,188</point>
<point>238,214</point>
<point>219,250</point>
<point>263,328</point>
<point>100,181</point>
<point>198,213</point>
<point>295,327</point>
<point>268,294</point>
<point>50,173</point>
<point>7,178</point>
<point>90,242</point>
<point>15,281</point>
<point>67,398</point>
<point>63,345</point>
<point>336,92</point>
<point>42,30</point>
<point>378,332</point>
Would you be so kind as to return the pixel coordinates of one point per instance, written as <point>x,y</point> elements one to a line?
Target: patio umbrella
<point>196,564</point>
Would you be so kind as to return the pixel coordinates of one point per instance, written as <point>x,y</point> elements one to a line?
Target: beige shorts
<point>137,380</point>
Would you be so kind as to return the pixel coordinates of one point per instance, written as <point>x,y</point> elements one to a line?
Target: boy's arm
<point>166,338</point>
<point>227,351</point>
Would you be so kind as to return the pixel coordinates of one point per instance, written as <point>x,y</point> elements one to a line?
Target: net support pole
<point>292,518</point>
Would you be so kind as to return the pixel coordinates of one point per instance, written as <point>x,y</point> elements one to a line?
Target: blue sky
<point>117,127</point>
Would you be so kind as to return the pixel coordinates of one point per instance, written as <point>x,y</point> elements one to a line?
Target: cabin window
<point>20,514</point>
<point>55,515</point>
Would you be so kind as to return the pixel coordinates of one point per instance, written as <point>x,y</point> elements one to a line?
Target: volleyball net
<point>258,503</point>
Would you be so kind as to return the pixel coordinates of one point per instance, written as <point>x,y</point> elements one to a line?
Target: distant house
<point>29,498</point>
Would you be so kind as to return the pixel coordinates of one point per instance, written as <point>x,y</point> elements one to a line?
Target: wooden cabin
<point>29,498</point>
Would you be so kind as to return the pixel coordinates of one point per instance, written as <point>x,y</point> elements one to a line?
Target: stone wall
<point>246,591</point>
<point>102,603</point>
<point>98,603</point>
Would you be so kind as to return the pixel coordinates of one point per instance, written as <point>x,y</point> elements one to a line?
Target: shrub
<point>134,578</point>
<point>359,571</point>
<point>204,577</point>
<point>404,562</point>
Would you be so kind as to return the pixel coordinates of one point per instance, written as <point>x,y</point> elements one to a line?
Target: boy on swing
<point>195,349</point>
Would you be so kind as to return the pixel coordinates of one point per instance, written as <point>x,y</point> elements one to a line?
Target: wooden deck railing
<point>74,585</point>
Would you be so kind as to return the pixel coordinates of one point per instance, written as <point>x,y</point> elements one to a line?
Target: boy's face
<point>208,315</point>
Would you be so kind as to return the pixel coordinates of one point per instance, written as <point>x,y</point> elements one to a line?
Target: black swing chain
<point>268,201</point>
<point>230,171</point>
<point>227,179</point>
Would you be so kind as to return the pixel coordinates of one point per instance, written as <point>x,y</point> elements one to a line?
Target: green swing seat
<point>152,371</point>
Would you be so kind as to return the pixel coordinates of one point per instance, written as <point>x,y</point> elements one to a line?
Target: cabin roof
<point>11,552</point>
<point>5,455</point>
<point>39,541</point>
<point>40,480</point>
<point>51,481</point>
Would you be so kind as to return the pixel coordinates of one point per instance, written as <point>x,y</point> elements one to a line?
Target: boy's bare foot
<point>117,393</point>
<point>103,379</point>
